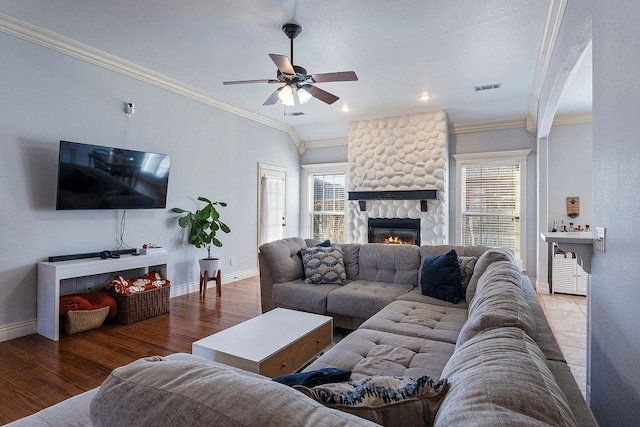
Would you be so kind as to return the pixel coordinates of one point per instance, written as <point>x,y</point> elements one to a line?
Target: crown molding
<point>59,43</point>
<point>463,128</point>
<point>572,119</point>
<point>553,20</point>
<point>321,143</point>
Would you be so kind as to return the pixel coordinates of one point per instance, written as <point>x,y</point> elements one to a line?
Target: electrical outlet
<point>600,240</point>
<point>90,289</point>
<point>232,261</point>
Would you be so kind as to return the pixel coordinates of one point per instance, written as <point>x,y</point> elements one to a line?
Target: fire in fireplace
<point>403,231</point>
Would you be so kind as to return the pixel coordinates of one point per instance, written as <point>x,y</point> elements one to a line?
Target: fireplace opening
<point>398,231</point>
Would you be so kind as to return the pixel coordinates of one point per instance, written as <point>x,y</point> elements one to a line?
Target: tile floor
<point>567,315</point>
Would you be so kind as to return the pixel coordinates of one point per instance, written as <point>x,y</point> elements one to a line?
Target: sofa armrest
<point>266,284</point>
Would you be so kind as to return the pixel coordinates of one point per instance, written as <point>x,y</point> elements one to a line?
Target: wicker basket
<point>141,305</point>
<point>74,321</point>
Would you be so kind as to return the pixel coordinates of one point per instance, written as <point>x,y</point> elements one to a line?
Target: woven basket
<point>141,305</point>
<point>74,321</point>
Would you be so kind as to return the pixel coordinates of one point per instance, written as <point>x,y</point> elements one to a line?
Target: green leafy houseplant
<point>203,224</point>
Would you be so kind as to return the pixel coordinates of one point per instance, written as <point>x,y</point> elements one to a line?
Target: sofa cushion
<point>367,352</point>
<point>415,295</point>
<point>281,257</point>
<point>436,250</point>
<point>544,335</point>
<point>497,304</point>
<point>389,401</point>
<point>379,262</point>
<point>350,254</point>
<point>419,320</point>
<point>323,265</point>
<point>363,298</point>
<point>193,393</point>
<point>485,260</point>
<point>440,277</point>
<point>500,377</point>
<point>302,296</point>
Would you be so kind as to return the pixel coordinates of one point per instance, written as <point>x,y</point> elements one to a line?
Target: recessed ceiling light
<point>345,108</point>
<point>424,97</point>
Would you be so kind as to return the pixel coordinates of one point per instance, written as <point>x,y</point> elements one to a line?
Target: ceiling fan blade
<point>273,98</point>
<point>242,82</point>
<point>343,76</point>
<point>322,95</point>
<point>283,64</point>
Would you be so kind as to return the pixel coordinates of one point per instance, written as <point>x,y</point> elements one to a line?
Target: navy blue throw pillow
<point>314,378</point>
<point>325,244</point>
<point>441,277</point>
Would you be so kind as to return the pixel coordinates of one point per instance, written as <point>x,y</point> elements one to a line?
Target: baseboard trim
<point>542,288</point>
<point>189,288</point>
<point>17,330</point>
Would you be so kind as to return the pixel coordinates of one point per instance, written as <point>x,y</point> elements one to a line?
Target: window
<point>491,200</point>
<point>325,194</point>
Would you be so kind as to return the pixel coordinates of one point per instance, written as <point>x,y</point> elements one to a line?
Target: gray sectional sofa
<point>494,350</point>
<point>495,346</point>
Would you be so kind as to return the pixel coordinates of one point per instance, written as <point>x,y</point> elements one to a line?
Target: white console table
<point>51,273</point>
<point>580,243</point>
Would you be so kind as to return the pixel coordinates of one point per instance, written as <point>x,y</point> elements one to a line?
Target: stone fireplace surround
<point>396,154</point>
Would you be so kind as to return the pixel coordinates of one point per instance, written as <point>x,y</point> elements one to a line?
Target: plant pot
<point>210,265</point>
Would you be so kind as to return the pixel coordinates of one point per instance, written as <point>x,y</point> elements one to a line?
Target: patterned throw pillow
<point>392,401</point>
<point>324,265</point>
<point>467,263</point>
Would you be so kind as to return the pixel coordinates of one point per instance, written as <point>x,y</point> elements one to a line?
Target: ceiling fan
<point>298,85</point>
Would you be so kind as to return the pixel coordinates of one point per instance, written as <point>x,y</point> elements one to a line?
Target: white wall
<point>46,96</point>
<point>614,294</point>
<point>502,140</point>
<point>570,172</point>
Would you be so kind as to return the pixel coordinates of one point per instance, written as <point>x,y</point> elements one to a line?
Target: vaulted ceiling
<point>399,50</point>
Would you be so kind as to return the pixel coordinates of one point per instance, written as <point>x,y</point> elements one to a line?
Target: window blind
<point>328,206</point>
<point>491,205</point>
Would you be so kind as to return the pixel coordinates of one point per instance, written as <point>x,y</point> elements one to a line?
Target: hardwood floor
<point>36,372</point>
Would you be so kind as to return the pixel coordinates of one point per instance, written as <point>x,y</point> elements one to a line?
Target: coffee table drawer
<point>312,344</point>
<point>294,356</point>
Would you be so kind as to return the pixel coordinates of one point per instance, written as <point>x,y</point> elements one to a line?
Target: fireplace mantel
<point>422,195</point>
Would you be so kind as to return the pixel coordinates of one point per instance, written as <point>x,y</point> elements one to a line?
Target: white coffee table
<point>275,343</point>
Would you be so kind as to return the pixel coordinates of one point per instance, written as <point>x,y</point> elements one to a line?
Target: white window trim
<point>305,206</point>
<point>495,157</point>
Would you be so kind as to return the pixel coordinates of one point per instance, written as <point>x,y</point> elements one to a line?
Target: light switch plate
<point>600,239</point>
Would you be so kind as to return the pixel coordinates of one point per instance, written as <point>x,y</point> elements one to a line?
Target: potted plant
<point>203,225</point>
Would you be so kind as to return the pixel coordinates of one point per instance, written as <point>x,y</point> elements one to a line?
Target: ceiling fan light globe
<point>286,96</point>
<point>303,95</point>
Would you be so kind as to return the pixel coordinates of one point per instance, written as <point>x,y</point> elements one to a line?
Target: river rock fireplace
<point>402,231</point>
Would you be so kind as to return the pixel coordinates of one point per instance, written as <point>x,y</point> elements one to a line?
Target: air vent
<point>487,87</point>
<point>295,113</point>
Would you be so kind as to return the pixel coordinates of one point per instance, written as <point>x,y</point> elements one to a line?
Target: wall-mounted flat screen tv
<point>99,177</point>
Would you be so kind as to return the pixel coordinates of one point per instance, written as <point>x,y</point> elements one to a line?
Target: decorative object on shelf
<point>203,225</point>
<point>573,207</point>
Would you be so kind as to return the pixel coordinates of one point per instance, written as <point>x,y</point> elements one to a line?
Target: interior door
<point>272,203</point>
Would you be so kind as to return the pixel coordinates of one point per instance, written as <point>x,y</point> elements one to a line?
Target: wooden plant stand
<point>205,279</point>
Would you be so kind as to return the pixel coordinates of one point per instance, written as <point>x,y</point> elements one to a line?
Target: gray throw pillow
<point>324,265</point>
<point>467,263</point>
<point>389,401</point>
